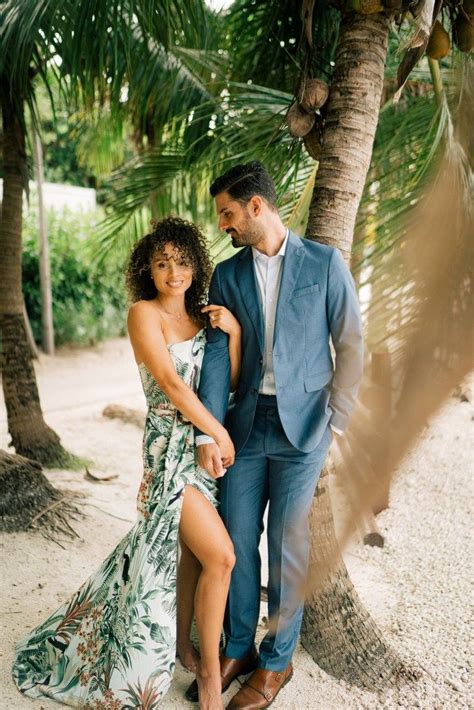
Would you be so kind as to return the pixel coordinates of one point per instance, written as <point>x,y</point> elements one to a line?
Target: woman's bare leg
<point>189,569</point>
<point>204,533</point>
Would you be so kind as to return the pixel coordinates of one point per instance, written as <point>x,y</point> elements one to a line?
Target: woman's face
<point>171,272</point>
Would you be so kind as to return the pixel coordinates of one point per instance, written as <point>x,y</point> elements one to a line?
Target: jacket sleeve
<point>346,333</point>
<point>214,385</point>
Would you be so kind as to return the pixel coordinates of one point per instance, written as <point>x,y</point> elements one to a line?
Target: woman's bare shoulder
<point>143,311</point>
<point>143,308</point>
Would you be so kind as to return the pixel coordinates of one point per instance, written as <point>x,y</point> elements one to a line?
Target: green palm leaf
<point>132,187</point>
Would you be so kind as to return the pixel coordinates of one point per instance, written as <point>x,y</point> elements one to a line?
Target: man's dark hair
<point>244,181</point>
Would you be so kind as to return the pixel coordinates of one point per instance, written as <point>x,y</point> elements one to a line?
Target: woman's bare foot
<point>210,692</point>
<point>188,656</point>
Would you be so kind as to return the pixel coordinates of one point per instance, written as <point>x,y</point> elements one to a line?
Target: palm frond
<point>93,45</point>
<point>132,189</point>
<point>410,141</point>
<point>251,125</point>
<point>269,39</point>
<point>247,124</point>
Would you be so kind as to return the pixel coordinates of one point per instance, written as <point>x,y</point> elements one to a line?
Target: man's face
<point>239,221</point>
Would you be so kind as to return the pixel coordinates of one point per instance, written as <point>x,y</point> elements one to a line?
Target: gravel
<point>417,587</point>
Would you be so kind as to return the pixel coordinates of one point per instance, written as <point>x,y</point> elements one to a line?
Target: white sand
<point>417,587</point>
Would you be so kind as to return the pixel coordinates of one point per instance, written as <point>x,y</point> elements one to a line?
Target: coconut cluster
<point>439,43</point>
<point>302,120</point>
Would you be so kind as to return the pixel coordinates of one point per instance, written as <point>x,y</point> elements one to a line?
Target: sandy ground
<point>416,587</point>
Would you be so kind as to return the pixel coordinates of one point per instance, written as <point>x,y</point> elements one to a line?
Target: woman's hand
<point>226,448</point>
<point>215,458</point>
<point>221,317</point>
<point>209,458</point>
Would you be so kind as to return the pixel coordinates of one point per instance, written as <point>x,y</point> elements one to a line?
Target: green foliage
<point>60,148</point>
<point>60,137</point>
<point>89,300</point>
<point>265,41</point>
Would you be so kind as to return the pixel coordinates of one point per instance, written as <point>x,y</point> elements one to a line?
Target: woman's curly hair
<point>187,239</point>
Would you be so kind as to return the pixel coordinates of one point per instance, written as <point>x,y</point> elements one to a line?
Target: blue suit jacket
<point>317,300</point>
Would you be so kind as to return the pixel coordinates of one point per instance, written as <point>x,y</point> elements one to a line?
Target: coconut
<point>438,45</point>
<point>367,7</point>
<point>464,33</point>
<point>299,121</point>
<point>315,95</point>
<point>312,142</point>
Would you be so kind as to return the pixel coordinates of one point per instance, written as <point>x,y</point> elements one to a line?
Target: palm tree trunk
<point>337,630</point>
<point>30,434</point>
<point>350,123</point>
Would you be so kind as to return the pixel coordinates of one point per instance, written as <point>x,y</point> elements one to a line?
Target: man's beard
<point>249,236</point>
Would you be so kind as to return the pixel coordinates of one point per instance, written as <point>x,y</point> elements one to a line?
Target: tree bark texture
<point>337,630</point>
<point>350,124</point>
<point>30,434</point>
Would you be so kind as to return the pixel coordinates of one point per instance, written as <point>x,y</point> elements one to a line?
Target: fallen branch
<point>125,414</point>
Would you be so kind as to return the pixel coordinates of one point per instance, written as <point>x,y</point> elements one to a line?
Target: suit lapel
<point>248,291</point>
<point>292,262</point>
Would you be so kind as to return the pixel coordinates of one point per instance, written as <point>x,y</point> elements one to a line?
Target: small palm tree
<point>95,54</point>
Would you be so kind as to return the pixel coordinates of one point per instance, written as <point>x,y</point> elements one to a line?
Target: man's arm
<point>346,333</point>
<point>214,384</point>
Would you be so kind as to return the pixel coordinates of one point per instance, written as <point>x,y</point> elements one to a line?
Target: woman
<point>113,644</point>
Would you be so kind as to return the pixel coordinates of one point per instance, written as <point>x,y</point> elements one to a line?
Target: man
<point>290,296</point>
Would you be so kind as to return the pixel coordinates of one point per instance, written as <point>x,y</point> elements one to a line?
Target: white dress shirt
<point>268,271</point>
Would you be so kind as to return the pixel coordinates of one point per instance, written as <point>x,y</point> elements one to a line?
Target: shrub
<point>89,300</point>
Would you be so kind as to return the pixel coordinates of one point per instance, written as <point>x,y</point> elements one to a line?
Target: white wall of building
<point>58,197</point>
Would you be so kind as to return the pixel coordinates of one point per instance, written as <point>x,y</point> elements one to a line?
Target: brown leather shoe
<point>261,689</point>
<point>231,668</point>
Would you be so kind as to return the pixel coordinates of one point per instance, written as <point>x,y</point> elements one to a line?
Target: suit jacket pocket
<point>298,292</point>
<point>315,382</point>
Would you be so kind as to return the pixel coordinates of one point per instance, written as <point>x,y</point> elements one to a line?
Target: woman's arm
<point>235,354</point>
<point>221,317</point>
<point>149,346</point>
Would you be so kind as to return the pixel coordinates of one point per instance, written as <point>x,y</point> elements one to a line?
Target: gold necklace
<point>179,316</point>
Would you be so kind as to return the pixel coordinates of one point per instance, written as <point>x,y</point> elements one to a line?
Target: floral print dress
<point>112,644</point>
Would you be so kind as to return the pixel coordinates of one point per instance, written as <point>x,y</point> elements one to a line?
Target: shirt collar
<point>258,254</point>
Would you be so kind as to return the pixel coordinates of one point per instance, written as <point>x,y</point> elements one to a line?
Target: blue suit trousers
<point>269,470</point>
